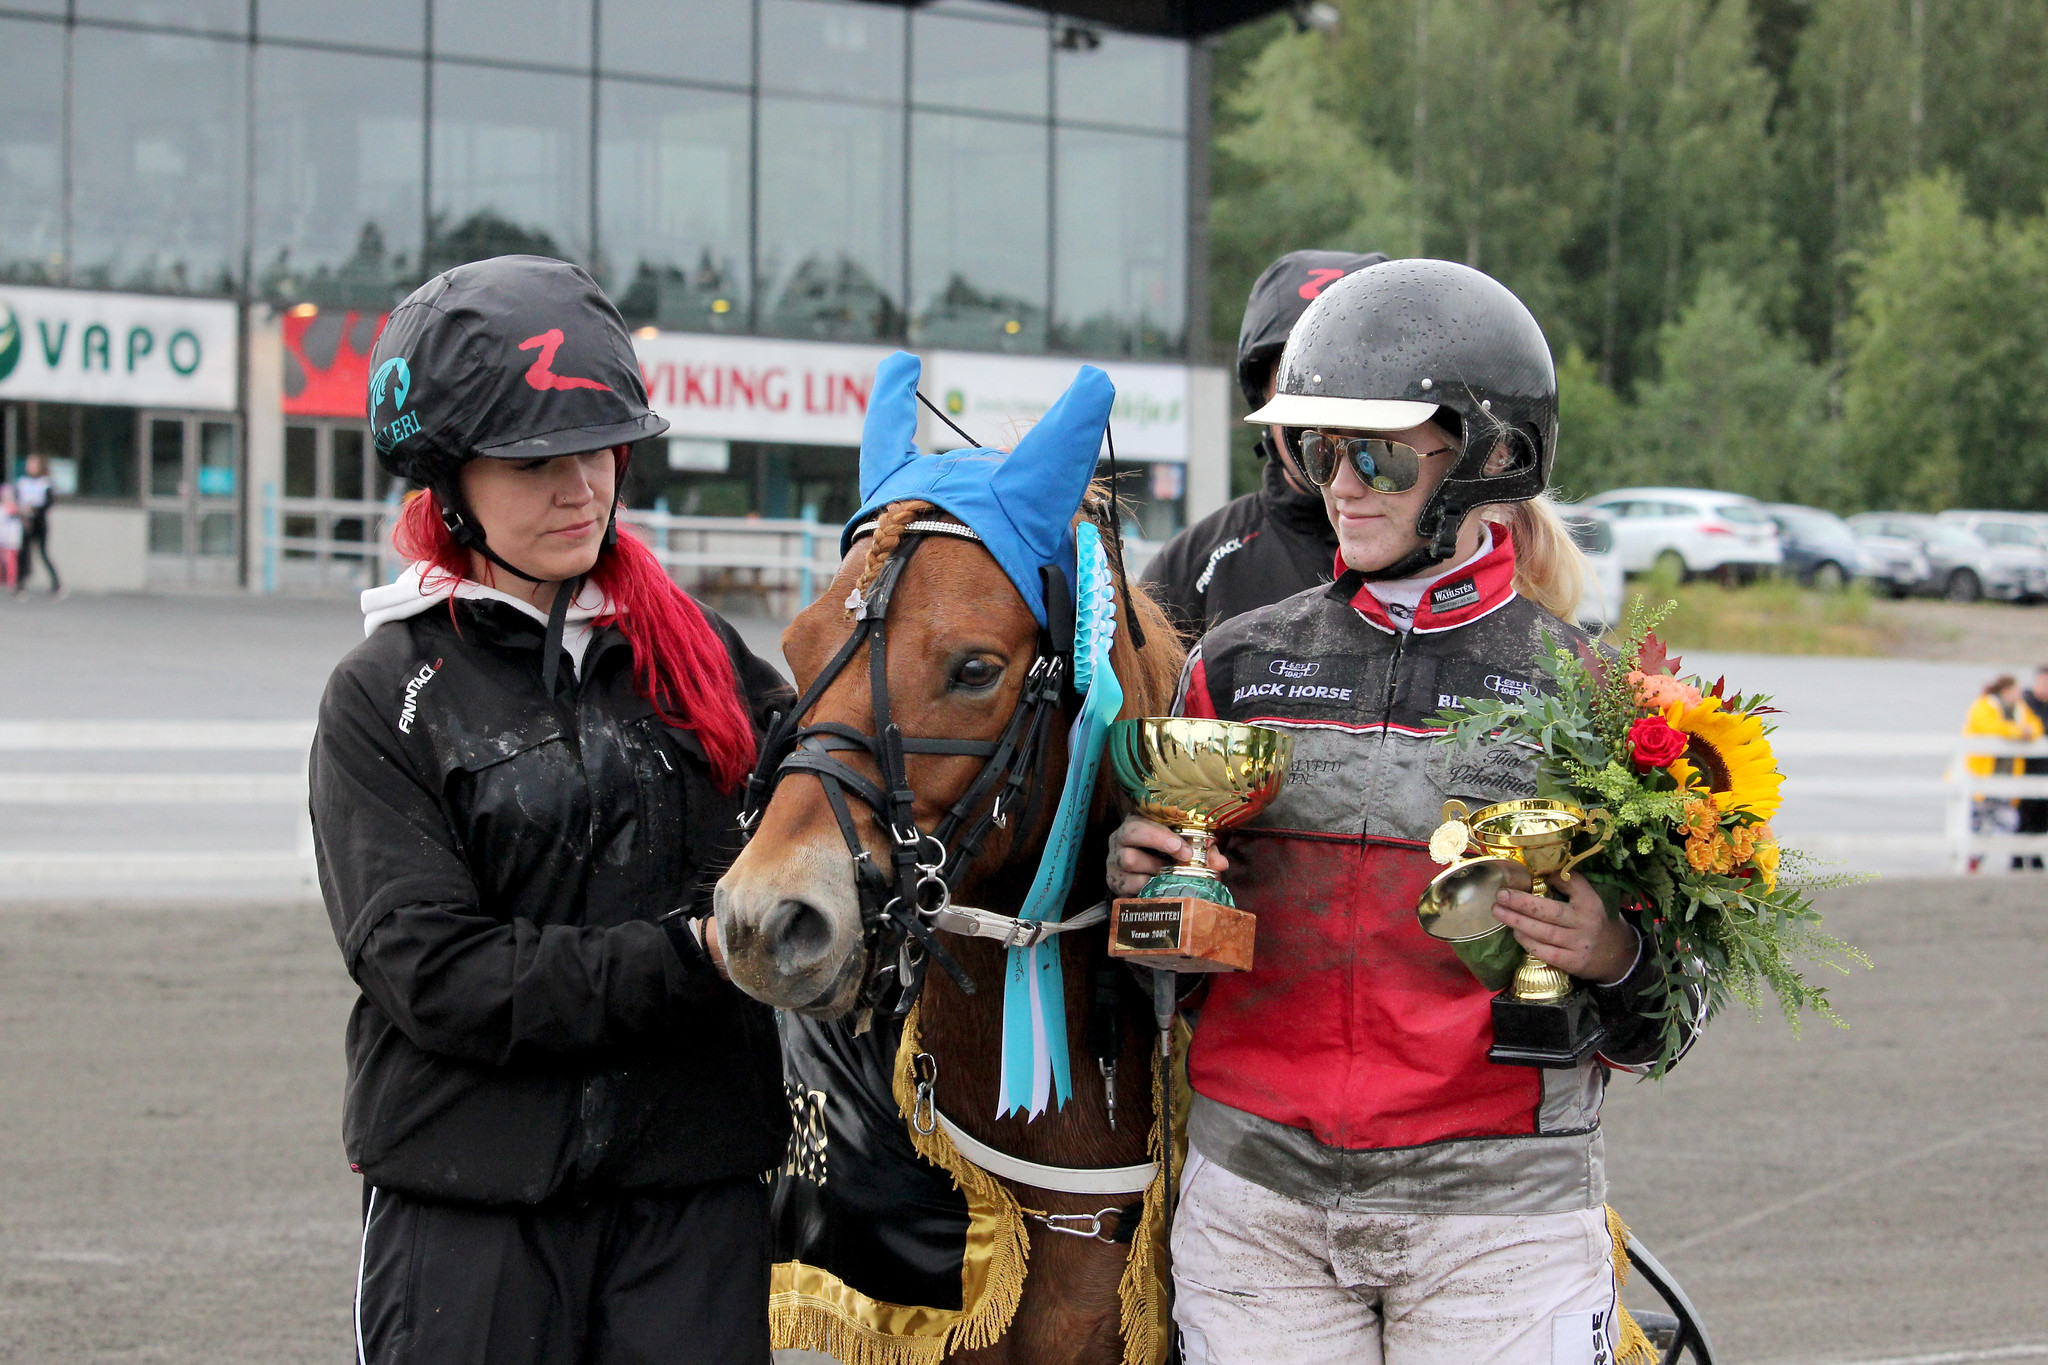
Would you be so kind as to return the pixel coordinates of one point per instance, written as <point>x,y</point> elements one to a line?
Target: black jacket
<point>494,864</point>
<point>1250,553</point>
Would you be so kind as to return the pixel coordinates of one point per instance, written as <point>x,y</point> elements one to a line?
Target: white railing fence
<point>754,566</point>
<point>1992,847</point>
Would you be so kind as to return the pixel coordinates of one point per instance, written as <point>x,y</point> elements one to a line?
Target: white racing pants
<point>1264,1279</point>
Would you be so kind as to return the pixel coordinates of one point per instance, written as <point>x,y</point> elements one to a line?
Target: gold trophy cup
<point>1542,1018</point>
<point>1198,777</point>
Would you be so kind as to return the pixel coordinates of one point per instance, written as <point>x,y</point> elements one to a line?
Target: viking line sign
<point>70,346</point>
<point>754,389</point>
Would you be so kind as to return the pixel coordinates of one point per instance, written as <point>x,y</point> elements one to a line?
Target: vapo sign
<point>71,346</point>
<point>756,389</point>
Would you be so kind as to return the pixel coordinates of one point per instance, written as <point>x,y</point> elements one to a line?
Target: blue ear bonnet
<point>1022,505</point>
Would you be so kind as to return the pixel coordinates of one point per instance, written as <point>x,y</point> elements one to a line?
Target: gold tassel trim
<point>987,1307</point>
<point>1633,1347</point>
<point>796,1323</point>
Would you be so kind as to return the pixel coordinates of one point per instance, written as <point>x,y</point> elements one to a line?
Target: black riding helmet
<point>1283,291</point>
<point>1402,343</point>
<point>514,358</point>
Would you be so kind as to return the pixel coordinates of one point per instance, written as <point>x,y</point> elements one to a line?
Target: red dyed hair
<point>679,663</point>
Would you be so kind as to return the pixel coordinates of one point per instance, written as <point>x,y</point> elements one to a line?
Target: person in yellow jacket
<point>2000,712</point>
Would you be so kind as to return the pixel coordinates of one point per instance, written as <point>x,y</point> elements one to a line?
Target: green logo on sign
<point>10,342</point>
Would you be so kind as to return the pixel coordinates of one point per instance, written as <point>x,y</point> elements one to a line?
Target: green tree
<point>1737,407</point>
<point>1943,399</point>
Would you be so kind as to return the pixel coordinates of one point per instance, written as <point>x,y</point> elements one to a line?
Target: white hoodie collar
<point>411,595</point>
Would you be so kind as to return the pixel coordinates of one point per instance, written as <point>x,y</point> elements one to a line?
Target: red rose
<point>1654,743</point>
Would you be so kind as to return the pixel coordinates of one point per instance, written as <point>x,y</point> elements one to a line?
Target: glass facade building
<point>966,174</point>
<point>959,177</point>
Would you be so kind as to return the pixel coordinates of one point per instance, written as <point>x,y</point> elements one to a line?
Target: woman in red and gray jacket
<point>1362,1182</point>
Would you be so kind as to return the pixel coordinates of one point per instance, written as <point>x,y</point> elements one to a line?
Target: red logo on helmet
<point>1318,281</point>
<point>542,376</point>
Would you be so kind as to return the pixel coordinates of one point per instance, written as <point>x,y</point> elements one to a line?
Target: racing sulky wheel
<point>1677,1333</point>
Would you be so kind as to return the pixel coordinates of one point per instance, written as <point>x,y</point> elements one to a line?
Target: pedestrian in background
<point>2034,809</point>
<point>33,495</point>
<point>2000,712</point>
<point>10,534</point>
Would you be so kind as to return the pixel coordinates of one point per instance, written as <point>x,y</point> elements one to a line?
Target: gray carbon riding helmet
<point>513,358</point>
<point>1402,343</point>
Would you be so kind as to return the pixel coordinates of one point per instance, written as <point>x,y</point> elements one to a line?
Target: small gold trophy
<point>1542,1018</point>
<point>1198,777</point>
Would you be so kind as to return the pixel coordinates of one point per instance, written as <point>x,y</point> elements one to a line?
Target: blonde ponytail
<point>1550,568</point>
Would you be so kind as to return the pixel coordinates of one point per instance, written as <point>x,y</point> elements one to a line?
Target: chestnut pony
<point>960,641</point>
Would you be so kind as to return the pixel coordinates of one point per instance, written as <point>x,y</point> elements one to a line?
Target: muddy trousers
<point>677,1279</point>
<point>1263,1279</point>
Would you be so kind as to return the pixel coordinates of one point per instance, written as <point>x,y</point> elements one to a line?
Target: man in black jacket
<point>1275,542</point>
<point>559,1109</point>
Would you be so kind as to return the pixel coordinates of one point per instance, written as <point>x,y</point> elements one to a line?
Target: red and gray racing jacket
<point>1349,1066</point>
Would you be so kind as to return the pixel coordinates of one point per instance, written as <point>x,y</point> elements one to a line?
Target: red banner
<point>327,362</point>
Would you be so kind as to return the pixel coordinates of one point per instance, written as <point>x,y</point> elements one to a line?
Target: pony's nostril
<point>798,935</point>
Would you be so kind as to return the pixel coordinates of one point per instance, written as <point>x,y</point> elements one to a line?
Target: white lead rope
<point>1008,930</point>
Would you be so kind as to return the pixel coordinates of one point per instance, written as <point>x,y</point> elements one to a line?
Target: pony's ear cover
<point>1042,483</point>
<point>888,439</point>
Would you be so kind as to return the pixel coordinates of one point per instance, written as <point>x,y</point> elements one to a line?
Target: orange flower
<point>1659,690</point>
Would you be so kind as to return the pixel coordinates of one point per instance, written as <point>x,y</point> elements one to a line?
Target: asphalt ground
<point>172,1187</point>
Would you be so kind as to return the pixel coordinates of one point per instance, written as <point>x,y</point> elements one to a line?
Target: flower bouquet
<point>1687,774</point>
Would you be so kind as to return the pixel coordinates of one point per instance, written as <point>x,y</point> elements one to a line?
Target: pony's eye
<point>976,674</point>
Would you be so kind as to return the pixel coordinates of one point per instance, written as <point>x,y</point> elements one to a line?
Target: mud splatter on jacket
<point>1350,1065</point>
<point>495,862</point>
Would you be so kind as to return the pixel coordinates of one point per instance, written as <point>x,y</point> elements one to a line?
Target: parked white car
<point>1689,531</point>
<point>1605,591</point>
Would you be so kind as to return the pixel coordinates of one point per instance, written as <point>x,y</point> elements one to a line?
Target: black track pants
<point>629,1280</point>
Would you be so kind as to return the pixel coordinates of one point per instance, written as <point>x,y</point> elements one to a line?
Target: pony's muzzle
<point>791,928</point>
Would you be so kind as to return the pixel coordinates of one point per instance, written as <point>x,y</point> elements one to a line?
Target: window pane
<point>511,165</point>
<point>673,191</point>
<point>157,171</point>
<point>1105,77</point>
<point>301,470</point>
<point>556,32</point>
<point>401,24</point>
<point>338,172</point>
<point>166,458</point>
<point>977,245</point>
<point>831,220</point>
<point>31,151</point>
<point>706,40</point>
<point>968,64</point>
<point>349,463</point>
<point>1121,286</point>
<point>219,16</point>
<point>816,47</point>
<point>106,466</point>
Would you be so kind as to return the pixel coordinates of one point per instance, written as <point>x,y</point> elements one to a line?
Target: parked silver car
<point>1689,531</point>
<point>1605,591</point>
<point>1962,565</point>
<point>2026,532</point>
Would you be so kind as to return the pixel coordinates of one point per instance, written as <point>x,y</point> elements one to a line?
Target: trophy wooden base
<point>1558,1034</point>
<point>1181,934</point>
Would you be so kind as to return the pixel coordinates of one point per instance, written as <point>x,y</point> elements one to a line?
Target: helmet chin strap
<point>1438,549</point>
<point>470,536</point>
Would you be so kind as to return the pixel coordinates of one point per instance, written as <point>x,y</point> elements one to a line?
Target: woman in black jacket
<point>523,784</point>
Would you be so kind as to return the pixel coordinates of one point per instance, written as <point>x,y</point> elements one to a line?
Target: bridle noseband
<point>899,906</point>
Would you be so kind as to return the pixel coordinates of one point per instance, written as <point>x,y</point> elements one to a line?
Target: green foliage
<point>1787,247</point>
<point>1717,937</point>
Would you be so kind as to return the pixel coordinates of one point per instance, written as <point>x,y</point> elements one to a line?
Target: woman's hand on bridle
<point>708,935</point>
<point>1141,847</point>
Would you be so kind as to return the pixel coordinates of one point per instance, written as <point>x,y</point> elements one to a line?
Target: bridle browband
<point>902,906</point>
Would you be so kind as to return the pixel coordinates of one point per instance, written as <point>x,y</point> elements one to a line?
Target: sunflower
<point>1727,755</point>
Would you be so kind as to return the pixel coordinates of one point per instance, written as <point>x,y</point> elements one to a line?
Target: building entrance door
<point>194,472</point>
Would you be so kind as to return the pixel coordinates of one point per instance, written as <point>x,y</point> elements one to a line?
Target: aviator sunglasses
<point>1384,466</point>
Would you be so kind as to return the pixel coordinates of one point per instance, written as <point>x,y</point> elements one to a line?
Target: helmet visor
<point>1383,466</point>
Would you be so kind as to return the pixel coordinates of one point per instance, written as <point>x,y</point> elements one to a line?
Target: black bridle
<point>898,904</point>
